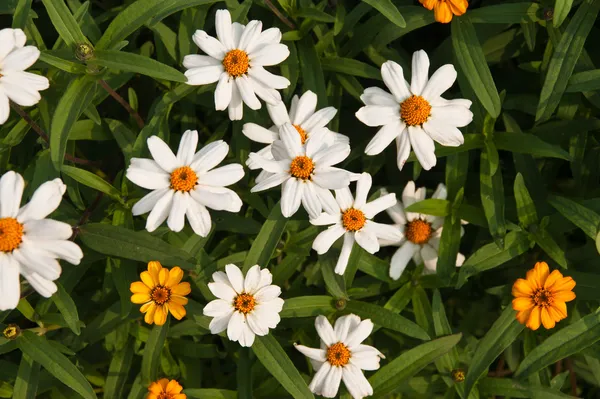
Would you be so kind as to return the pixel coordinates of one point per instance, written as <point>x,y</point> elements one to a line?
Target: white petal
<point>359,334</point>
<point>312,353</point>
<point>210,156</point>
<point>367,240</point>
<point>377,115</point>
<point>162,154</point>
<point>37,261</point>
<point>291,196</point>
<point>22,95</point>
<point>146,203</point>
<point>332,382</point>
<point>11,191</point>
<point>271,181</point>
<point>187,147</point>
<point>363,185</point>
<point>291,140</point>
<point>440,192</point>
<point>256,325</point>
<point>410,194</point>
<point>325,219</point>
<point>327,200</point>
<point>316,385</point>
<point>209,45</point>
<point>222,291</point>
<point>4,108</point>
<point>7,38</point>
<point>451,115</point>
<point>267,78</point>
<point>345,324</point>
<point>325,330</point>
<point>198,61</point>
<point>246,90</point>
<point>344,198</point>
<point>176,219</point>
<point>423,147</point>
<point>219,324</point>
<point>258,133</point>
<point>403,148</point>
<point>148,179</point>
<point>28,80</point>
<point>342,262</point>
<point>217,198</point>
<point>217,308</point>
<point>47,229</point>
<point>326,238</point>
<point>378,96</point>
<point>250,34</point>
<point>380,204</point>
<point>222,176</point>
<point>20,59</point>
<point>460,259</point>
<point>268,293</point>
<point>331,178</point>
<point>393,77</point>
<point>10,287</point>
<point>294,108</point>
<point>44,287</point>
<point>224,29</point>
<point>236,324</point>
<point>279,116</point>
<point>444,134</point>
<point>311,201</point>
<point>268,36</point>
<point>401,258</point>
<point>61,249</point>
<point>236,278</point>
<point>271,54</point>
<point>319,119</point>
<point>266,278</point>
<point>356,383</point>
<point>203,75</point>
<point>236,106</point>
<point>265,92</point>
<point>430,257</point>
<point>307,104</point>
<point>44,201</point>
<point>223,92</point>
<point>269,165</point>
<point>385,232</point>
<point>440,81</point>
<point>160,211</point>
<point>247,337</point>
<point>420,72</point>
<point>332,155</point>
<point>384,137</point>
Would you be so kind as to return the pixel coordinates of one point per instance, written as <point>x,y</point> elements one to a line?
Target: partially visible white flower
<point>305,172</point>
<point>421,233</point>
<point>245,306</point>
<point>237,60</point>
<point>352,220</point>
<point>415,115</point>
<point>15,84</point>
<point>184,185</point>
<point>30,244</point>
<point>342,356</point>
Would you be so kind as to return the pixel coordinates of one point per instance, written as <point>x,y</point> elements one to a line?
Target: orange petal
<point>558,310</point>
<point>564,296</point>
<point>147,279</point>
<point>564,284</point>
<point>155,388</point>
<point>428,4</point>
<point>146,306</point>
<point>137,287</point>
<point>522,287</point>
<point>442,12</point>
<point>547,320</point>
<point>177,310</point>
<point>541,273</point>
<point>175,276</point>
<point>149,317</point>
<point>459,7</point>
<point>154,267</point>
<point>140,298</point>
<point>163,276</point>
<point>522,303</point>
<point>173,387</point>
<point>160,316</point>
<point>163,383</point>
<point>152,396</point>
<point>535,319</point>
<point>181,289</point>
<point>180,396</point>
<point>180,300</point>
<point>523,316</point>
<point>552,278</point>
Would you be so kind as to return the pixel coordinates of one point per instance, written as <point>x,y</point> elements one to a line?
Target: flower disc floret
<point>183,179</point>
<point>338,354</point>
<point>353,219</point>
<point>418,231</point>
<point>415,110</point>
<point>302,167</point>
<point>244,303</point>
<point>236,63</point>
<point>11,234</point>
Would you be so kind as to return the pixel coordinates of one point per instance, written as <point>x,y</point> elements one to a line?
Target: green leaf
<point>565,58</point>
<point>314,14</point>
<point>64,23</point>
<point>584,81</point>
<point>194,393</point>
<point>350,67</point>
<point>277,362</point>
<point>582,217</point>
<point>469,55</point>
<point>40,351</point>
<point>442,327</point>
<point>390,376</point>
<point>311,70</point>
<point>561,11</point>
<point>450,242</point>
<point>66,306</point>
<point>525,206</point>
<point>26,384</point>
<point>524,143</point>
<point>500,335</point>
<point>130,62</point>
<point>244,374</point>
<point>137,245</point>
<point>53,58</point>
<point>118,371</point>
<point>307,306</point>
<point>489,387</point>
<point>389,10</point>
<point>508,13</point>
<point>267,240</point>
<point>431,206</point>
<point>492,197</point>
<point>91,180</point>
<point>21,14</point>
<point>545,240</point>
<point>335,284</point>
<point>152,351</point>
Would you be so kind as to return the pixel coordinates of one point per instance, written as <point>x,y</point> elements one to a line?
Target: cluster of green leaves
<point>526,180</point>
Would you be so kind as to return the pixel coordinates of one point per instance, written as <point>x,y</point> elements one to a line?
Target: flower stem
<point>279,14</point>
<point>125,104</point>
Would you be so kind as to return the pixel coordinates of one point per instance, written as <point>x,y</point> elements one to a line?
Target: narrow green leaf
<point>314,14</point>
<point>389,10</point>
<point>130,62</point>
<point>152,351</point>
<point>489,387</point>
<point>525,206</point>
<point>26,384</point>
<point>54,59</point>
<point>524,143</point>
<point>21,14</point>
<point>450,242</point>
<point>118,371</point>
<point>311,70</point>
<point>582,217</point>
<point>430,206</point>
<point>584,81</point>
<point>91,180</point>
<point>267,239</point>
<point>492,198</point>
<point>65,24</point>
<point>561,11</point>
<point>66,306</point>
<point>506,13</point>
<point>194,393</point>
<point>244,374</point>
<point>350,67</point>
<point>544,239</point>
<point>307,306</point>
<point>335,284</point>
<point>441,325</point>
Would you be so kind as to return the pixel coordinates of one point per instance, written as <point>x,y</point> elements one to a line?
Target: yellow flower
<point>160,292</point>
<point>445,9</point>
<point>165,389</point>
<point>540,298</point>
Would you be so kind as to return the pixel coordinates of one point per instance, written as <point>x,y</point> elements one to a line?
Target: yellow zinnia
<point>541,297</point>
<point>165,389</point>
<point>445,9</point>
<point>160,292</point>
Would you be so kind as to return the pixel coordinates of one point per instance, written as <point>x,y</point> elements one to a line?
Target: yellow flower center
<point>418,231</point>
<point>302,167</point>
<point>11,234</point>
<point>338,354</point>
<point>415,110</point>
<point>353,219</point>
<point>164,395</point>
<point>160,295</point>
<point>244,303</point>
<point>236,63</point>
<point>542,297</point>
<point>302,133</point>
<point>183,179</point>
<point>11,332</point>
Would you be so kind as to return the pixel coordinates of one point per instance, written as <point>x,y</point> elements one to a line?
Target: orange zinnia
<point>165,389</point>
<point>445,9</point>
<point>541,297</point>
<point>160,292</point>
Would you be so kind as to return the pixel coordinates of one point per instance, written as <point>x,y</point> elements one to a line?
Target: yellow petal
<point>173,387</point>
<point>522,303</point>
<point>177,310</point>
<point>137,287</point>
<point>164,382</point>
<point>428,4</point>
<point>163,276</point>
<point>155,388</point>
<point>147,279</point>
<point>552,278</point>
<point>558,310</point>
<point>459,7</point>
<point>149,317</point>
<point>442,12</point>
<point>522,287</point>
<point>140,298</point>
<point>547,320</point>
<point>523,316</point>
<point>160,316</point>
<point>180,396</point>
<point>563,284</point>
<point>541,272</point>
<point>564,296</point>
<point>152,396</point>
<point>154,268</point>
<point>146,306</point>
<point>181,300</point>
<point>175,276</point>
<point>181,289</point>
<point>535,319</point>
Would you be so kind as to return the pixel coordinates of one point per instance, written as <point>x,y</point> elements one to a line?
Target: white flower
<point>421,232</point>
<point>304,171</point>
<point>186,184</point>
<point>414,115</point>
<point>342,357</point>
<point>236,60</point>
<point>352,220</point>
<point>246,306</point>
<point>15,84</point>
<point>30,244</point>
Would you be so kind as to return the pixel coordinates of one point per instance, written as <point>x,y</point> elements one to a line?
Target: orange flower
<point>165,389</point>
<point>445,9</point>
<point>541,297</point>
<point>160,292</point>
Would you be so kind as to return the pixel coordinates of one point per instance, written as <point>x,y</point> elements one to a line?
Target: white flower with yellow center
<point>15,84</point>
<point>305,172</point>
<point>353,221</point>
<point>30,244</point>
<point>415,115</point>
<point>342,356</point>
<point>237,60</point>
<point>245,307</point>
<point>184,185</point>
<point>421,233</point>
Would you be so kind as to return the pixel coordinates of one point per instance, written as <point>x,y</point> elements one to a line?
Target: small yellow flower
<point>160,292</point>
<point>444,10</point>
<point>541,297</point>
<point>165,389</point>
<point>12,331</point>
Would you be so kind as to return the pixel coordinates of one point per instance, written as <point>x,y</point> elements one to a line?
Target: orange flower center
<point>353,219</point>
<point>160,295</point>
<point>338,354</point>
<point>418,231</point>
<point>11,234</point>
<point>542,297</point>
<point>244,303</point>
<point>183,179</point>
<point>302,167</point>
<point>236,63</point>
<point>164,395</point>
<point>302,133</point>
<point>415,110</point>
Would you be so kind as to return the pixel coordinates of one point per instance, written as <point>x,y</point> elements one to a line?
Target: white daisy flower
<point>304,171</point>
<point>352,220</point>
<point>15,84</point>
<point>421,233</point>
<point>415,115</point>
<point>237,60</point>
<point>245,306</point>
<point>184,185</point>
<point>342,356</point>
<point>30,244</point>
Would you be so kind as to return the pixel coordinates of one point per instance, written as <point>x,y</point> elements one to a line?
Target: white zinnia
<point>352,220</point>
<point>421,233</point>
<point>305,172</point>
<point>15,84</point>
<point>245,307</point>
<point>415,115</point>
<point>184,185</point>
<point>236,60</point>
<point>342,356</point>
<point>30,244</point>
